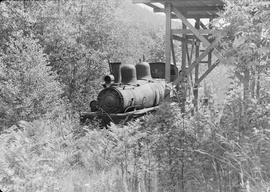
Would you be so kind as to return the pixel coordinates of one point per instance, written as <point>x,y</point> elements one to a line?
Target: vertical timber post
<point>197,53</point>
<point>168,41</point>
<point>183,70</point>
<point>210,53</point>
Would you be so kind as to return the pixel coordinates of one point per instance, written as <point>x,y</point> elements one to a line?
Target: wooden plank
<point>209,70</point>
<point>168,10</point>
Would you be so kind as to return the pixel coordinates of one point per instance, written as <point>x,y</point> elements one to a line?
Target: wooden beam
<point>205,42</point>
<point>212,9</point>
<point>188,14</point>
<point>158,10</point>
<point>190,3</point>
<point>183,70</point>
<point>201,56</point>
<point>202,25</point>
<point>198,60</point>
<point>184,51</point>
<point>178,38</point>
<point>190,57</point>
<point>202,15</point>
<point>205,61</point>
<point>188,31</point>
<point>186,3</point>
<point>168,10</point>
<point>196,84</point>
<point>210,53</point>
<point>209,70</point>
<point>215,8</point>
<point>193,29</point>
<point>194,37</point>
<point>173,53</point>
<point>189,37</point>
<point>146,1</point>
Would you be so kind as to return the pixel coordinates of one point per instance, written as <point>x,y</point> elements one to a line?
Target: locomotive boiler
<point>129,91</point>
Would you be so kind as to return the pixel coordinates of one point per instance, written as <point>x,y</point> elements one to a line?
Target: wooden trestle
<point>195,38</point>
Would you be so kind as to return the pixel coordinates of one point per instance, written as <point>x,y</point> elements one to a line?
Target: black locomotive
<point>129,91</point>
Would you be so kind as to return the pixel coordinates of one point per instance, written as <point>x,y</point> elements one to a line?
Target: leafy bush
<point>28,86</point>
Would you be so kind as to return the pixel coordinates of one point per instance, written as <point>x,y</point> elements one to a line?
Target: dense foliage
<point>52,56</point>
<point>29,88</point>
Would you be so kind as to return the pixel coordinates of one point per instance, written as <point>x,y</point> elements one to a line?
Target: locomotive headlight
<point>108,79</point>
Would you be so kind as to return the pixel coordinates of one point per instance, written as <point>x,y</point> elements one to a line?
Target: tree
<point>28,87</point>
<point>246,42</point>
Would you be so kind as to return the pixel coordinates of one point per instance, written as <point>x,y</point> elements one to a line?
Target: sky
<point>205,21</point>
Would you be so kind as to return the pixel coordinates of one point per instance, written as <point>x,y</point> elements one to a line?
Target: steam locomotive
<point>130,91</point>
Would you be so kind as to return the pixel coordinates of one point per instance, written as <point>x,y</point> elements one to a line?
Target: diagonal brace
<point>202,56</point>
<point>196,32</point>
<point>208,70</point>
<point>198,60</point>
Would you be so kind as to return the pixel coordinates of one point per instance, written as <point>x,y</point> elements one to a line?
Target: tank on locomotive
<point>129,91</point>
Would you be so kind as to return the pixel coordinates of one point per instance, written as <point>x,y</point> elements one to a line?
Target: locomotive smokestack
<point>115,70</point>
